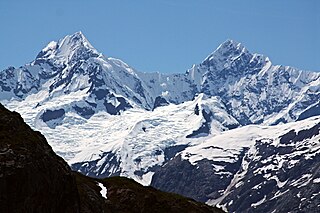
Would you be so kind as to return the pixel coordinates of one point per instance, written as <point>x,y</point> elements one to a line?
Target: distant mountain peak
<point>67,49</point>
<point>229,43</point>
<point>227,49</point>
<point>79,33</point>
<point>78,38</point>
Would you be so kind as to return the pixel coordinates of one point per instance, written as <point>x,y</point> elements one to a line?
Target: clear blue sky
<point>164,35</point>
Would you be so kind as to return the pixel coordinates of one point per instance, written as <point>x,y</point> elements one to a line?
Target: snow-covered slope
<point>209,124</point>
<point>250,169</point>
<point>136,138</point>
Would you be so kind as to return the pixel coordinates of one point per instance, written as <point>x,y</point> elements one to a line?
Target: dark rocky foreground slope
<point>34,179</point>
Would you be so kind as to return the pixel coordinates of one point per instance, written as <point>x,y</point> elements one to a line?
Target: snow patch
<point>103,191</point>
<point>254,205</point>
<point>317,180</point>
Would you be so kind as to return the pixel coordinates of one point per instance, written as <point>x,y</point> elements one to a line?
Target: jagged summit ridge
<point>231,54</point>
<point>225,49</point>
<point>70,48</point>
<point>247,83</point>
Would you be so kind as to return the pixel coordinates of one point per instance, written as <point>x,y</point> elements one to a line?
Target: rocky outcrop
<point>32,177</point>
<point>126,195</point>
<point>198,181</point>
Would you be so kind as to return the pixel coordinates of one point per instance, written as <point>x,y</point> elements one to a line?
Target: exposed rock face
<point>194,181</point>
<point>277,174</point>
<point>283,178</point>
<point>90,168</point>
<point>34,179</point>
<point>160,101</point>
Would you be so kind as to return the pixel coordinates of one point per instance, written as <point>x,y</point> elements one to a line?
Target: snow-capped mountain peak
<point>82,79</point>
<point>69,49</point>
<point>232,54</point>
<point>246,82</point>
<point>226,50</point>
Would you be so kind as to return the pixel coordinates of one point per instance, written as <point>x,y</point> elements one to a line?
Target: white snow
<point>316,180</point>
<point>86,139</point>
<point>50,46</point>
<point>279,183</point>
<point>254,205</point>
<point>302,181</point>
<point>103,191</point>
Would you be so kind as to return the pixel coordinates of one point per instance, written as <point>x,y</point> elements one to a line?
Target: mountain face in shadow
<point>32,177</point>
